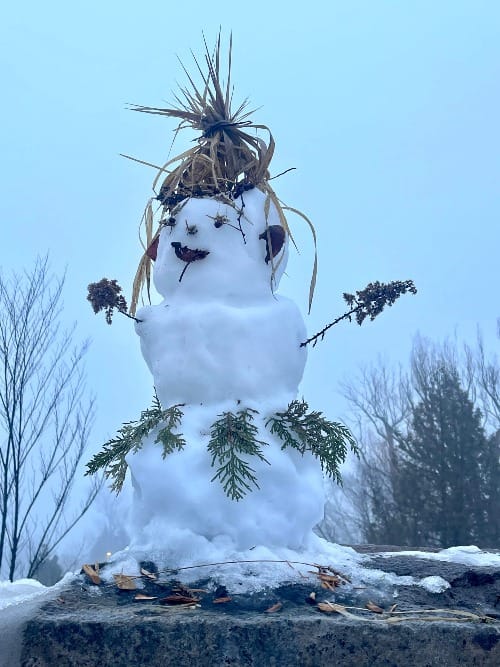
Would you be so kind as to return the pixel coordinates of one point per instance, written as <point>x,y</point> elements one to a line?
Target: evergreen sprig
<point>231,437</point>
<point>130,439</point>
<point>310,431</point>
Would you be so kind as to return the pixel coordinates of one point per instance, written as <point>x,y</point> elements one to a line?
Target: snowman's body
<point>222,341</point>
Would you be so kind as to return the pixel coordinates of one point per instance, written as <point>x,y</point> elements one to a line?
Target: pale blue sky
<point>388,110</point>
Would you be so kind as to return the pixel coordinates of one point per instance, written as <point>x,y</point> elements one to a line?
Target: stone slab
<point>88,626</point>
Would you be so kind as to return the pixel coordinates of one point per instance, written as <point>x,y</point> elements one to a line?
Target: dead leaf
<point>330,607</point>
<point>328,581</point>
<point>222,600</point>
<point>392,608</point>
<point>374,607</point>
<point>124,582</point>
<point>91,574</point>
<point>140,597</point>
<point>274,607</point>
<point>148,574</point>
<point>179,599</point>
<point>342,577</point>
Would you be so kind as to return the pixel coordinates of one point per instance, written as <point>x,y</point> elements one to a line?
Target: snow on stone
<point>254,569</point>
<point>434,584</point>
<point>466,555</point>
<point>19,601</point>
<point>15,592</point>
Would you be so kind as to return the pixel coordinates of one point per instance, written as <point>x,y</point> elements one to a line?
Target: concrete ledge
<point>201,638</point>
<point>91,626</point>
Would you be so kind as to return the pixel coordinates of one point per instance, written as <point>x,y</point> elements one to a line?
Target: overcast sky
<point>388,110</point>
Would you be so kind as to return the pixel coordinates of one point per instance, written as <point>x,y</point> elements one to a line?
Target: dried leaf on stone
<point>148,574</point>
<point>331,607</point>
<point>92,574</point>
<point>394,606</point>
<point>125,582</point>
<point>222,600</point>
<point>274,607</point>
<point>177,599</point>
<point>328,581</point>
<point>371,606</point>
<point>140,597</point>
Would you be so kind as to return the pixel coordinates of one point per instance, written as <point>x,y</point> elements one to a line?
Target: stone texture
<point>85,628</point>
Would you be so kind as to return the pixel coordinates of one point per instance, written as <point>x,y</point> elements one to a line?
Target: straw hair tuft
<point>229,158</point>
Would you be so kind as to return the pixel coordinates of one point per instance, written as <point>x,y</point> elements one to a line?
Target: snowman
<point>223,340</point>
<point>225,349</point>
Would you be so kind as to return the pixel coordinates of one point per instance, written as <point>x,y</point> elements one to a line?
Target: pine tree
<point>444,490</point>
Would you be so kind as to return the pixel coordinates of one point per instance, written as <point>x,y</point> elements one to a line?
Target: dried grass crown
<point>226,160</point>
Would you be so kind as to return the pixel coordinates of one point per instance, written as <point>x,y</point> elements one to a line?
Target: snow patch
<point>19,601</point>
<point>466,555</point>
<point>434,584</point>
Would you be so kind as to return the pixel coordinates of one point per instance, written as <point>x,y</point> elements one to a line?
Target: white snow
<point>235,271</point>
<point>15,592</point>
<point>19,601</point>
<point>466,555</point>
<point>247,570</point>
<point>222,340</point>
<point>434,584</point>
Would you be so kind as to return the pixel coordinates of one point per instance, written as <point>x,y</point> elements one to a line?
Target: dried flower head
<point>106,295</point>
<point>368,302</point>
<point>372,300</point>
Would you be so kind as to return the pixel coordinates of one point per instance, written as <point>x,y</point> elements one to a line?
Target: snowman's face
<point>219,250</point>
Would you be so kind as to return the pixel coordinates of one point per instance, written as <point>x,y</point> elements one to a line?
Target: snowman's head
<point>212,248</point>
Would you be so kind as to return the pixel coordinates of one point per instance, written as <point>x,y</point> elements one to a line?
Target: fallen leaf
<point>339,574</point>
<point>124,582</point>
<point>374,607</point>
<point>91,574</point>
<point>148,574</point>
<point>330,607</point>
<point>179,599</point>
<point>274,607</point>
<point>222,600</point>
<point>332,578</point>
<point>141,596</point>
<point>392,608</point>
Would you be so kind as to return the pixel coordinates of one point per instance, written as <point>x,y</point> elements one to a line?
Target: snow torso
<point>221,333</point>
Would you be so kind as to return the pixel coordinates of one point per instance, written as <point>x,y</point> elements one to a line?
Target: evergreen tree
<point>445,486</point>
<point>429,472</point>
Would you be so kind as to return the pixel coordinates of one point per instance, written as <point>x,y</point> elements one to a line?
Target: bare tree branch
<point>44,420</point>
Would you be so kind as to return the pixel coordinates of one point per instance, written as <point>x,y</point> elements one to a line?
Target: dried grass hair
<point>228,159</point>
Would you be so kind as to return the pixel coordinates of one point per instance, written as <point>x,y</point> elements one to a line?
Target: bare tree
<point>44,421</point>
<point>424,436</point>
<point>380,401</point>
